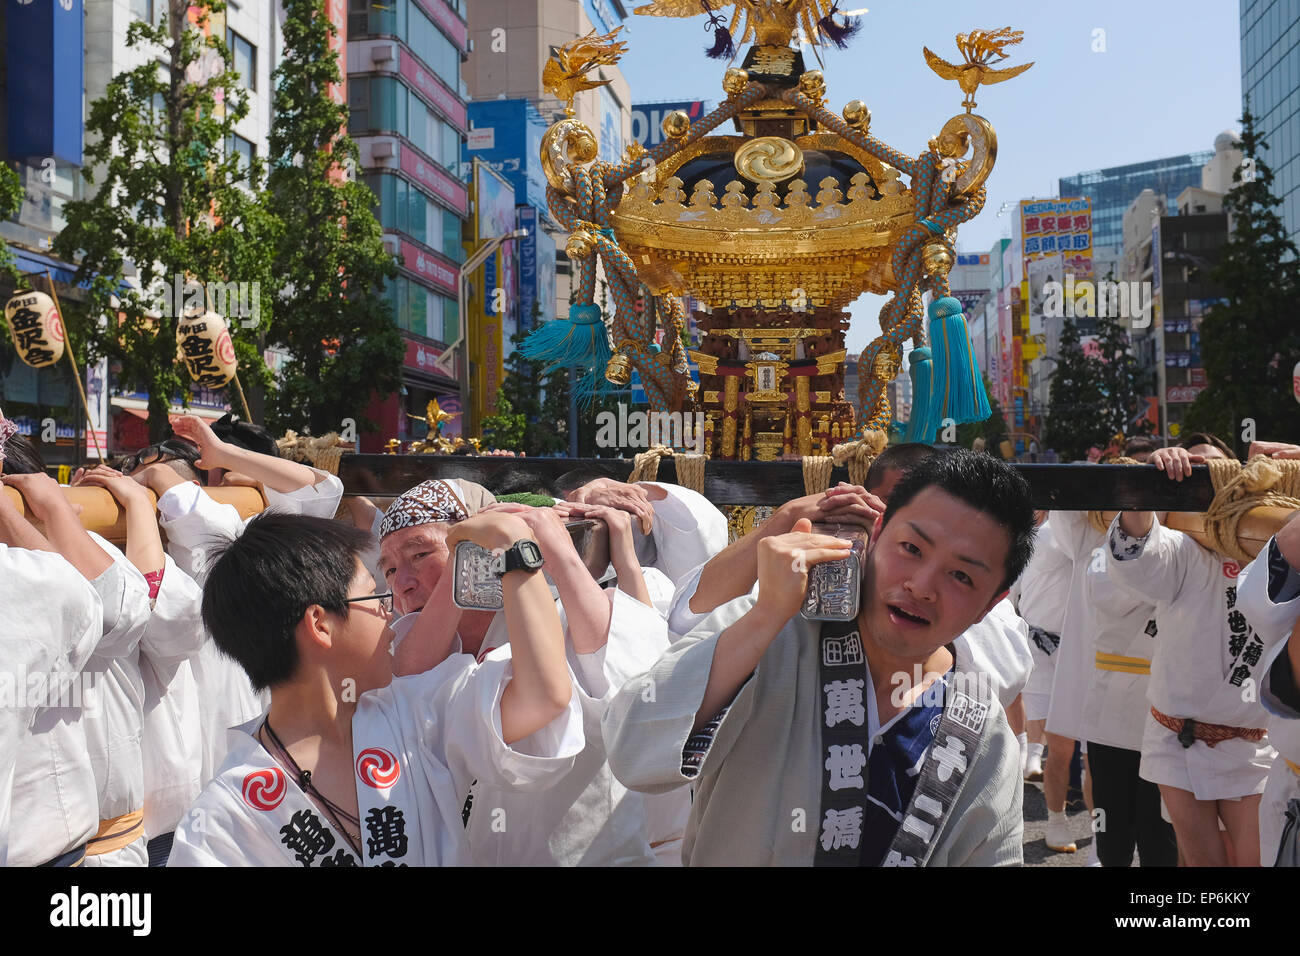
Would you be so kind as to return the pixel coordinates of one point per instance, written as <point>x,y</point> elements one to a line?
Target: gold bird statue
<point>766,22</point>
<point>980,49</point>
<point>565,73</point>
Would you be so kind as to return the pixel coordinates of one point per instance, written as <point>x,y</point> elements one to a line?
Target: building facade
<point>1270,87</point>
<point>1111,190</point>
<point>409,114</point>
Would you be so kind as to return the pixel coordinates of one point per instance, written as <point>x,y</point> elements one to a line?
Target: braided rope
<point>690,471</point>
<point>858,455</point>
<point>1238,488</point>
<point>817,473</point>
<point>645,466</point>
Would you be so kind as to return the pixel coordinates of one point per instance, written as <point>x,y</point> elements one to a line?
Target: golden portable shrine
<point>774,227</point>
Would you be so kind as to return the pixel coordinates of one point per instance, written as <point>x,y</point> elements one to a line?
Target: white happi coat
<point>1076,656</point>
<point>763,771</point>
<point>418,743</point>
<point>198,527</point>
<point>173,730</point>
<point>998,648</point>
<point>1206,651</point>
<point>1274,620</point>
<point>115,728</point>
<point>53,620</point>
<point>587,818</point>
<point>1122,625</point>
<point>66,767</point>
<point>687,531</point>
<point>1041,595</point>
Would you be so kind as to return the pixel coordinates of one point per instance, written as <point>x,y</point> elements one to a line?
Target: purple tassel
<point>833,32</point>
<point>723,48</point>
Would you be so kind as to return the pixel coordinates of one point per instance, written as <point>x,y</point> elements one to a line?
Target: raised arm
<point>1176,463</point>
<point>783,563</point>
<point>733,571</point>
<point>278,474</point>
<point>585,605</point>
<point>144,547</point>
<point>16,531</point>
<point>63,529</point>
<point>541,687</point>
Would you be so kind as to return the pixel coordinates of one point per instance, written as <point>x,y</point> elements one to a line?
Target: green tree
<point>172,202</point>
<point>11,199</point>
<point>1075,404</point>
<point>504,429</point>
<point>1250,343</point>
<point>991,429</point>
<point>543,401</point>
<point>330,261</point>
<point>1123,382</point>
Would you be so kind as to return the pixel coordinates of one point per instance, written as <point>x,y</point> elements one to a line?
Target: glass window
<point>451,245</point>
<point>450,320</point>
<point>244,148</point>
<point>142,10</point>
<point>243,58</point>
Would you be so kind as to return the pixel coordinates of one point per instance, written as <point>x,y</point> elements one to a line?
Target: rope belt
<point>1124,665</point>
<point>1189,730</point>
<point>1294,769</point>
<point>116,833</point>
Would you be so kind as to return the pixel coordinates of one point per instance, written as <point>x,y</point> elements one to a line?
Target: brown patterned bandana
<point>434,501</point>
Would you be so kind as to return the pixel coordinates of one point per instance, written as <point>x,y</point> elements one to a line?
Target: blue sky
<point>1168,82</point>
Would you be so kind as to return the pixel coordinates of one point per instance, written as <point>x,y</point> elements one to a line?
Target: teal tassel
<point>922,425</point>
<point>958,386</point>
<point>580,340</point>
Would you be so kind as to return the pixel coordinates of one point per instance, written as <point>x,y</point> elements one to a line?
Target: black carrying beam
<point>1060,487</point>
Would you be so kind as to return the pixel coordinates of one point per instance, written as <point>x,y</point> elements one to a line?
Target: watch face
<point>531,553</point>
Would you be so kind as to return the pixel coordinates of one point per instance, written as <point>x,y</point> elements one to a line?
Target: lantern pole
<point>76,373</point>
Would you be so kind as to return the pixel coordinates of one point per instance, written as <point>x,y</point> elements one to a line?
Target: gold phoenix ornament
<point>980,49</point>
<point>767,22</point>
<point>565,73</point>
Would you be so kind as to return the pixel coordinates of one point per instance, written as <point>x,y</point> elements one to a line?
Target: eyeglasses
<point>385,601</point>
<point>164,450</point>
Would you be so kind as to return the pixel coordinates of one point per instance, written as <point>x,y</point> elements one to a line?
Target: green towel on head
<point>528,498</point>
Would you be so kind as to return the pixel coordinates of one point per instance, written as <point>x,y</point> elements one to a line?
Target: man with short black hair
<point>803,739</point>
<point>351,766</point>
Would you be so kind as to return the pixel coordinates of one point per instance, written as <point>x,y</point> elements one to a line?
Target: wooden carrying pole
<point>101,513</point>
<point>76,373</point>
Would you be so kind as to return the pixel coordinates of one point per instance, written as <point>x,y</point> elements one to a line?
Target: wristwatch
<point>524,555</point>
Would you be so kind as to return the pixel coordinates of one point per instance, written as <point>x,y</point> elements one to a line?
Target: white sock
<point>1023,740</point>
<point>1036,750</point>
<point>1056,819</point>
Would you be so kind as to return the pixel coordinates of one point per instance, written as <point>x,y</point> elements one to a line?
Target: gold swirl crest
<point>769,159</point>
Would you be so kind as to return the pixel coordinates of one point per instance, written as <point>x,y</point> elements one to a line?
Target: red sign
<point>422,358</point>
<point>429,265</point>
<point>435,180</point>
<point>451,24</point>
<point>431,88</point>
<point>1197,376</point>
